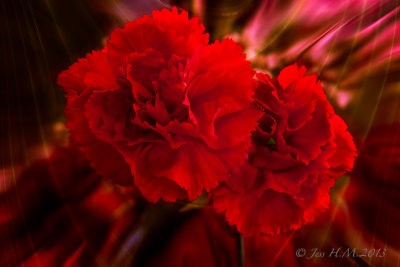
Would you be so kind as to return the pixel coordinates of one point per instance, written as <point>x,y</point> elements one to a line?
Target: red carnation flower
<point>161,104</point>
<point>298,150</point>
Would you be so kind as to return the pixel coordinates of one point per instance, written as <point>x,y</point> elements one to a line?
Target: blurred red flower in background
<point>298,150</point>
<point>160,103</point>
<point>60,211</point>
<point>373,195</point>
<point>204,240</point>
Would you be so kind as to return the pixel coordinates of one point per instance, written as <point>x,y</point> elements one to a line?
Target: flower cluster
<point>162,110</point>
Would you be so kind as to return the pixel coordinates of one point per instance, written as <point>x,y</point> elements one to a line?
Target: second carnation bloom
<point>299,148</point>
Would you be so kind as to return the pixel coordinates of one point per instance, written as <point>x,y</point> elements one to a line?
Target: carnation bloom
<point>160,104</point>
<point>298,150</point>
